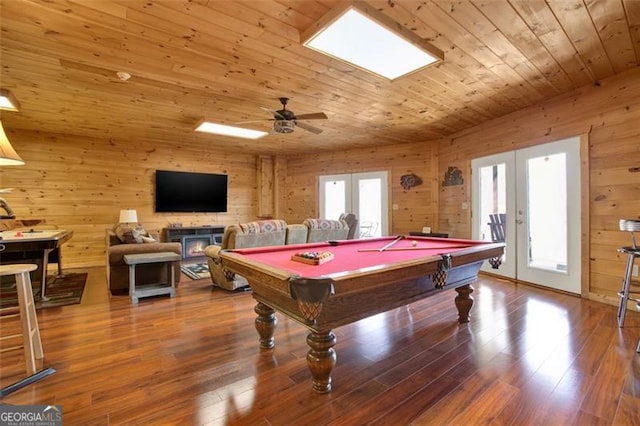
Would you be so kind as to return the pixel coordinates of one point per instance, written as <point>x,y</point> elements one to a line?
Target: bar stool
<point>30,331</point>
<point>632,252</point>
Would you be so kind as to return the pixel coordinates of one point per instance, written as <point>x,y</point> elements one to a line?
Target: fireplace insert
<point>193,246</point>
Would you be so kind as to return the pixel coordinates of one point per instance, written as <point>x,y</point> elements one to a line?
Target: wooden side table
<point>168,287</point>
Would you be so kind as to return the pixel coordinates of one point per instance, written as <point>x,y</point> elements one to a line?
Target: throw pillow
<point>125,234</point>
<point>146,239</point>
<point>128,235</point>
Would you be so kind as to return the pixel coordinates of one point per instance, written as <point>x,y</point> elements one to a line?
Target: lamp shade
<point>8,155</point>
<point>128,216</point>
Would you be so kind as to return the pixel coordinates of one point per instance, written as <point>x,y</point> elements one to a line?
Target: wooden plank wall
<point>416,207</point>
<point>81,184</point>
<point>610,114</point>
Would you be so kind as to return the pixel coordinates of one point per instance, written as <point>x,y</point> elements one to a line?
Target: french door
<point>365,194</point>
<point>530,198</point>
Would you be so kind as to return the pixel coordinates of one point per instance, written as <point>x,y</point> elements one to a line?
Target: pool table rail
<point>325,302</point>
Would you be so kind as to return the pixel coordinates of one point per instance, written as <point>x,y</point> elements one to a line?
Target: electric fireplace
<point>194,245</point>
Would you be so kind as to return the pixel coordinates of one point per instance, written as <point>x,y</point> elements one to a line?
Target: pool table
<point>358,278</point>
<point>34,246</point>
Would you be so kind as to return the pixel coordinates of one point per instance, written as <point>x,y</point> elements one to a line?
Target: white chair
<point>368,229</point>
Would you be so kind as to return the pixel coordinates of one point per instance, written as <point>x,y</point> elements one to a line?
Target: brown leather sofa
<point>118,271</point>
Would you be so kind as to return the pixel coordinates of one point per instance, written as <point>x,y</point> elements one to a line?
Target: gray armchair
<point>352,222</point>
<point>326,230</point>
<point>261,233</point>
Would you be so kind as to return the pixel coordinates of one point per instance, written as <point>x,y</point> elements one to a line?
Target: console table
<point>428,234</point>
<point>194,238</point>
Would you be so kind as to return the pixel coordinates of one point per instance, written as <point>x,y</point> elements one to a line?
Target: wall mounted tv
<point>190,192</point>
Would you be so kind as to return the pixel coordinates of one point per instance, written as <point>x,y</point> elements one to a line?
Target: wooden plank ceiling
<point>223,60</point>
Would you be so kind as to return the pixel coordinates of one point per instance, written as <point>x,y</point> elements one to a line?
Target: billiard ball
<point>414,243</point>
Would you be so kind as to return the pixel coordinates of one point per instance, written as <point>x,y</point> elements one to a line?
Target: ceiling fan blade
<point>275,113</point>
<point>309,127</point>
<point>312,116</point>
<point>253,121</point>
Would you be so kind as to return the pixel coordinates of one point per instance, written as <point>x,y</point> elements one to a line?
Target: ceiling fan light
<point>284,126</point>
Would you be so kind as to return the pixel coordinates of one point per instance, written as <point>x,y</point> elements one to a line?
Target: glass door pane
<point>547,215</point>
<point>370,207</point>
<point>493,207</point>
<point>335,195</point>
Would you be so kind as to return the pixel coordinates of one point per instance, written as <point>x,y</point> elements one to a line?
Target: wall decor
<point>453,176</point>
<point>409,181</point>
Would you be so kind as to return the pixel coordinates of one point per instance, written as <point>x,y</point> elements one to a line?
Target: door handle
<point>519,222</point>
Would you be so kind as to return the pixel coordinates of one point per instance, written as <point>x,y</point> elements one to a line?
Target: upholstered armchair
<point>325,230</point>
<point>261,233</point>
<point>352,222</point>
<point>297,234</point>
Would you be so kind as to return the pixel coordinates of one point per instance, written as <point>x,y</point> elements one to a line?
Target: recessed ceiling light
<point>123,75</point>
<point>8,101</point>
<point>222,129</point>
<point>364,37</point>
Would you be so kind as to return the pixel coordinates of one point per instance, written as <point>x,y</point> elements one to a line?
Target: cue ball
<point>414,243</point>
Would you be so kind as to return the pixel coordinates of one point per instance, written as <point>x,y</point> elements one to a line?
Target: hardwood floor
<point>529,356</point>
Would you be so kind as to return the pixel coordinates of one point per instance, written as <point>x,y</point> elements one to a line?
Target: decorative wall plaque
<point>409,181</point>
<point>453,176</point>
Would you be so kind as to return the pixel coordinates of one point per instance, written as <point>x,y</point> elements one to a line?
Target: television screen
<point>190,192</point>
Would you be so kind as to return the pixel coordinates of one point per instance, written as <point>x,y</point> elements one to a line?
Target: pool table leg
<point>464,302</point>
<point>265,325</point>
<point>321,359</point>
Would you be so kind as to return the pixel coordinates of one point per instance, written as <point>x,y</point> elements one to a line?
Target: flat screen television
<point>190,192</point>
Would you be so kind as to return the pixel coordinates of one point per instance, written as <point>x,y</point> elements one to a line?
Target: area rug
<point>60,291</point>
<point>195,271</point>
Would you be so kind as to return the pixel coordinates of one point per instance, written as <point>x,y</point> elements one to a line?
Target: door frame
<point>585,216</point>
<point>508,269</point>
<point>569,281</point>
<point>352,202</point>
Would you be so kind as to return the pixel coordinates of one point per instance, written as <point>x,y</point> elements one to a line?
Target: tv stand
<point>194,238</point>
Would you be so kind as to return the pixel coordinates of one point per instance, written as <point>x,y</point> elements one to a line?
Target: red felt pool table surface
<point>349,254</point>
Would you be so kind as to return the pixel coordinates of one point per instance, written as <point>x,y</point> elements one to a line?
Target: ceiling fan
<point>285,120</point>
